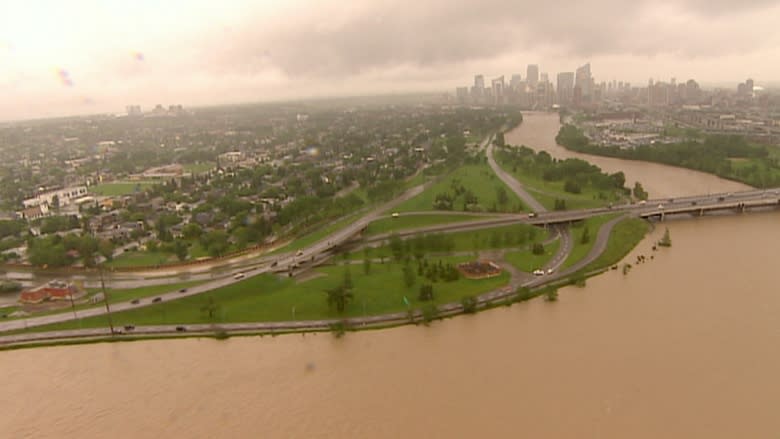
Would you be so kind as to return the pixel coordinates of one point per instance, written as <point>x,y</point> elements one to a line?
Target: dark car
<point>274,263</point>
<point>135,301</point>
<point>129,327</point>
<point>157,299</point>
<point>181,328</point>
<point>183,290</point>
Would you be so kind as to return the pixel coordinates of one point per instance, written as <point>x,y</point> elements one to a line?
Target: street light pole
<point>105,300</point>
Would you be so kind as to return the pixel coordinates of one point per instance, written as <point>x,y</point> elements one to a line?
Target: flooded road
<point>685,345</point>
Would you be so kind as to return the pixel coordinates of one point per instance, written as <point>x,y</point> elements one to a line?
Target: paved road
<point>513,184</point>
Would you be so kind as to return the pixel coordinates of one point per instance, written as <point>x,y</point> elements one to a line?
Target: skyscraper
<point>532,75</point>
<point>583,81</point>
<point>565,88</point>
<point>498,90</point>
<point>478,90</point>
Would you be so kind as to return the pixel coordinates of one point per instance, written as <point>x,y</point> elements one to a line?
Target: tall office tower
<point>565,88</point>
<point>462,93</point>
<point>544,77</point>
<point>749,87</point>
<point>532,75</point>
<point>584,81</point>
<point>478,90</point>
<point>498,90</point>
<point>133,110</point>
<point>514,83</point>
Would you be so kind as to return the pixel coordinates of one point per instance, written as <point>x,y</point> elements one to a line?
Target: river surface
<point>686,345</point>
<point>538,131</point>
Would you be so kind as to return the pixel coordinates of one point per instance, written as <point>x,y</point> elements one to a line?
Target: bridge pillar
<point>663,215</point>
<point>701,212</point>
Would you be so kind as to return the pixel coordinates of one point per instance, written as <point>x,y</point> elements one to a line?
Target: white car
<point>538,272</point>
<point>238,276</point>
<point>299,253</point>
<point>549,271</point>
<point>660,206</point>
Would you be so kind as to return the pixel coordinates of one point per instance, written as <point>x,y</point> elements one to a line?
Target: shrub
<point>469,304</point>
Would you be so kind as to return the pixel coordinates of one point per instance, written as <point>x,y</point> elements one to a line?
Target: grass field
<point>140,259</point>
<point>272,298</point>
<point>580,250</point>
<point>526,261</point>
<point>403,222</point>
<point>479,179</point>
<point>120,187</point>
<point>625,236</point>
<point>547,191</point>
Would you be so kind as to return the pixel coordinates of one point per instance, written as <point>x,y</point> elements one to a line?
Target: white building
<point>65,196</point>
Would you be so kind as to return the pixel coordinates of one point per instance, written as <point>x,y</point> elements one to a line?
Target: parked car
<point>157,299</point>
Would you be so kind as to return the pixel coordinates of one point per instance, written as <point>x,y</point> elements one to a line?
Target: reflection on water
<point>686,345</point>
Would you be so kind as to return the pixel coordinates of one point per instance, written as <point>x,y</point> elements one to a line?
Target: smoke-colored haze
<point>87,56</point>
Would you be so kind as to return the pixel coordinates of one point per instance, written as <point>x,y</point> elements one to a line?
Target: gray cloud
<point>439,33</point>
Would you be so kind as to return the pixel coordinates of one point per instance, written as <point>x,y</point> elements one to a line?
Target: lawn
<point>120,187</point>
<point>140,259</point>
<point>402,222</point>
<point>581,250</point>
<point>546,192</point>
<point>526,261</point>
<point>272,298</point>
<point>625,236</point>
<point>318,235</point>
<point>517,235</point>
<point>479,179</point>
<point>198,168</point>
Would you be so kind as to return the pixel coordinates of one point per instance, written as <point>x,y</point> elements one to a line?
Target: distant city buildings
<point>532,75</point>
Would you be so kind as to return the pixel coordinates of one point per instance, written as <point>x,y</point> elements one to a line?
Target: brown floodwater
<point>686,345</point>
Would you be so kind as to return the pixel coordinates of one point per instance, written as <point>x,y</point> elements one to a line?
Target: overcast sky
<point>75,57</point>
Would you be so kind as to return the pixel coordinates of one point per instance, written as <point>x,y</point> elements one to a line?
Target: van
<point>395,215</point>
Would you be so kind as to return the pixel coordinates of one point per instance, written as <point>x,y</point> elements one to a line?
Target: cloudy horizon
<point>81,57</point>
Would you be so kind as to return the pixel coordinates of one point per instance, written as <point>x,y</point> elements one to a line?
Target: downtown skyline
<point>77,58</point>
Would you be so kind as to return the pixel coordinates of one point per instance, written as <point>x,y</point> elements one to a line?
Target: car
<point>135,301</point>
<point>395,215</point>
<point>660,206</point>
<point>183,290</point>
<point>532,215</point>
<point>721,198</point>
<point>538,272</point>
<point>642,203</point>
<point>693,203</point>
<point>129,327</point>
<point>238,276</point>
<point>549,271</point>
<point>181,328</point>
<point>157,300</point>
<point>274,264</point>
<point>299,253</point>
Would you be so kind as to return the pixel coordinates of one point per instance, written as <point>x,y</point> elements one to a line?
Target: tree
<point>666,240</point>
<point>347,282</point>
<point>537,249</point>
<point>367,266</point>
<point>396,247</point>
<point>211,307</point>
<point>426,292</point>
<point>639,191</point>
<point>180,249</point>
<point>409,276</point>
<point>585,235</point>
<point>191,231</point>
<point>339,297</point>
<point>106,249</point>
<point>501,196</point>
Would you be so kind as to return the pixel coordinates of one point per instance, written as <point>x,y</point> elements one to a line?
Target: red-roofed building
<point>54,290</point>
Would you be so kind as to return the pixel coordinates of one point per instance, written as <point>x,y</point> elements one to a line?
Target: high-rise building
<point>532,75</point>
<point>478,90</point>
<point>498,90</point>
<point>749,87</point>
<point>565,88</point>
<point>584,81</point>
<point>462,94</point>
<point>544,77</point>
<point>133,110</point>
<point>514,83</point>
<point>479,81</point>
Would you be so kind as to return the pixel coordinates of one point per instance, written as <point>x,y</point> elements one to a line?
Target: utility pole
<point>105,300</point>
